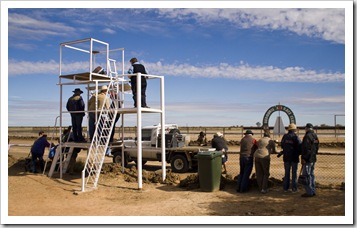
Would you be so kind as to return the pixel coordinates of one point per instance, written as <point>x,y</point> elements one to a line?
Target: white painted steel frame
<point>139,110</point>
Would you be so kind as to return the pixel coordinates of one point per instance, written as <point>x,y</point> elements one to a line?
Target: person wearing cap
<point>266,146</point>
<point>94,109</point>
<point>220,144</point>
<point>291,145</point>
<point>137,67</point>
<point>248,146</point>
<point>75,105</point>
<point>309,150</point>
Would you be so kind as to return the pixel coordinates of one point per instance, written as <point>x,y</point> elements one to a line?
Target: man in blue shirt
<point>291,145</point>
<point>37,151</point>
<point>136,67</point>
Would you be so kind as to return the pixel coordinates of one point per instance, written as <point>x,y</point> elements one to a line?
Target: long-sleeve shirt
<point>247,146</point>
<point>266,146</point>
<point>101,99</point>
<point>310,146</point>
<point>39,146</point>
<point>291,145</point>
<point>219,143</point>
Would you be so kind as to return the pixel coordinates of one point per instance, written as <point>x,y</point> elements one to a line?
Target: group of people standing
<point>293,148</point>
<point>257,153</point>
<point>76,106</point>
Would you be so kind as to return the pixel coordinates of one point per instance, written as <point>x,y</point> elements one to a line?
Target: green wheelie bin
<point>209,170</point>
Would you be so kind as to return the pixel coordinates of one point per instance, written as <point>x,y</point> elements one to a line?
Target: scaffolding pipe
<point>139,137</point>
<point>60,147</point>
<point>163,149</point>
<point>77,49</point>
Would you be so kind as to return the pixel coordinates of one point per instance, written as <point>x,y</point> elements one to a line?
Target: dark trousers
<point>290,167</point>
<point>262,167</point>
<point>246,167</point>
<point>34,159</point>
<point>113,130</point>
<point>143,93</point>
<point>77,127</point>
<point>91,125</point>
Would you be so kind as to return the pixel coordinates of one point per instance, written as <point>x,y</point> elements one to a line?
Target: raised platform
<point>85,76</point>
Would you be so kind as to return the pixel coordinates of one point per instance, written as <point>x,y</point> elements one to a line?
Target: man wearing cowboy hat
<point>291,145</point>
<point>75,105</point>
<point>248,146</point>
<point>92,108</point>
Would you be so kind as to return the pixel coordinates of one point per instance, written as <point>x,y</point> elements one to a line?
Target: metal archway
<point>273,109</point>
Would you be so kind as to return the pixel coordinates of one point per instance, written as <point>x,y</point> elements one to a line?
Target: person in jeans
<point>37,151</point>
<point>137,67</point>
<point>291,145</point>
<point>309,150</point>
<point>266,146</point>
<point>248,145</point>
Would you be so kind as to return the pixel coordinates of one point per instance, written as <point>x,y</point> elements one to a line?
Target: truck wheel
<point>117,159</point>
<point>179,164</point>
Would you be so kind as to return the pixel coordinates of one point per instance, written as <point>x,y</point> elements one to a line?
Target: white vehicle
<point>181,157</point>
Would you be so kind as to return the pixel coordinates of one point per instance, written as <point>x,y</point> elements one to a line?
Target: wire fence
<point>329,168</point>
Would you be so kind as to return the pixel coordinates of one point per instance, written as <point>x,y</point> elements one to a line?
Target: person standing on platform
<point>94,110</point>
<point>75,105</point>
<point>137,67</point>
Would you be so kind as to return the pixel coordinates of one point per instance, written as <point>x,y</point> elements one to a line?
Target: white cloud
<point>109,31</point>
<point>42,67</point>
<point>328,24</point>
<point>35,29</point>
<point>319,100</point>
<point>246,72</point>
<point>224,70</point>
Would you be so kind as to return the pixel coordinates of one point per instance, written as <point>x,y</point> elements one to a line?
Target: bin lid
<point>209,154</point>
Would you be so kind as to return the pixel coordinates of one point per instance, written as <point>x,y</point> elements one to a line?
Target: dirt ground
<point>118,195</point>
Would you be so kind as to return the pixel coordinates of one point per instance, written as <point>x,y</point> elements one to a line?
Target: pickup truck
<point>180,156</point>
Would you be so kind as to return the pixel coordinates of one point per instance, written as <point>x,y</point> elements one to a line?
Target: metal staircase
<point>100,141</point>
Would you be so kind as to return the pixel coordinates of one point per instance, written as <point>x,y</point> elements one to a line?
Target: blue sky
<point>224,64</point>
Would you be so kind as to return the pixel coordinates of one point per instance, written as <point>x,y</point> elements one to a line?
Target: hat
<point>248,132</point>
<point>309,125</point>
<point>77,90</point>
<point>219,134</point>
<point>103,88</point>
<point>292,127</point>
